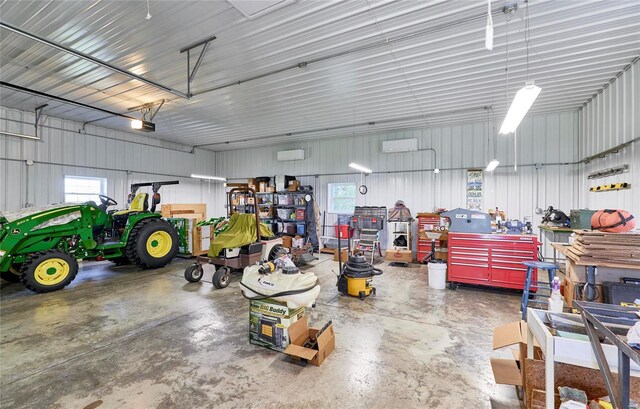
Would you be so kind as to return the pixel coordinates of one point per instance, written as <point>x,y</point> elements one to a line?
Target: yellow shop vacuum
<point>356,276</point>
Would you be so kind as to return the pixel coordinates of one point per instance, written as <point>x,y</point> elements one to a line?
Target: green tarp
<point>241,231</point>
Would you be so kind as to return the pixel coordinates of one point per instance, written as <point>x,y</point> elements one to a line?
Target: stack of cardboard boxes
<point>199,238</point>
<point>264,187</point>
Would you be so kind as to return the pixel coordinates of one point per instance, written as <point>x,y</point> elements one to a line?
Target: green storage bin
<point>581,218</point>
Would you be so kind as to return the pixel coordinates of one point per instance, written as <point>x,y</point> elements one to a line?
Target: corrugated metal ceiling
<point>416,63</point>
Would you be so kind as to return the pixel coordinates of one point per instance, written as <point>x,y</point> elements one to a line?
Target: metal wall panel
<point>394,63</point>
<point>458,148</point>
<point>123,158</point>
<point>611,118</point>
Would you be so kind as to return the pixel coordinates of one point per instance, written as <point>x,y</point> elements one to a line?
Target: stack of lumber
<point>594,246</point>
<point>197,212</point>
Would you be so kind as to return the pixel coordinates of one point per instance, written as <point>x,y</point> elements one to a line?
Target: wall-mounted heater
<point>296,154</point>
<point>400,145</point>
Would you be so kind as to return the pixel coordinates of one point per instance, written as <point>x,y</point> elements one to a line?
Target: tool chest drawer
<point>490,259</point>
<point>468,271</point>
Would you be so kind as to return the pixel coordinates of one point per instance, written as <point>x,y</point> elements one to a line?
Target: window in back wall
<point>342,198</point>
<point>83,189</point>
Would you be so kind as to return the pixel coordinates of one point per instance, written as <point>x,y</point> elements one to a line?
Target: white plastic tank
<point>277,282</point>
<point>437,275</point>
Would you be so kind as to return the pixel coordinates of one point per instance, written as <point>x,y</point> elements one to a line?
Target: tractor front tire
<point>9,276</point>
<point>49,270</point>
<point>152,243</point>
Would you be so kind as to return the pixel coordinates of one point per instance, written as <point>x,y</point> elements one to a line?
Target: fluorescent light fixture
<point>436,171</point>
<point>136,124</point>
<point>19,135</point>
<point>360,168</point>
<point>519,107</point>
<point>488,35</point>
<point>208,177</point>
<point>492,165</point>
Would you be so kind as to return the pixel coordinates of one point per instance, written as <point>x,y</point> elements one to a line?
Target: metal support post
<point>38,115</point>
<point>590,287</point>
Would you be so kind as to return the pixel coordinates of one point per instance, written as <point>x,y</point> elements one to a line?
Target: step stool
<point>369,241</point>
<point>531,265</point>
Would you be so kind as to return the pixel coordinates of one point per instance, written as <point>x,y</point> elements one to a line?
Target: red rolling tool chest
<point>430,222</point>
<point>491,259</point>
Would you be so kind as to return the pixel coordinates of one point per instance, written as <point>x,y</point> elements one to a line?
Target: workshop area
<point>320,204</point>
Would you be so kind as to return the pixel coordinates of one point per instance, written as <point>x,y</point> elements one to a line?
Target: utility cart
<point>236,258</point>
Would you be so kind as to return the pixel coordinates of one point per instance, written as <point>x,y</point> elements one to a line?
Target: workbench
<point>592,267</point>
<point>599,320</point>
<point>544,231</point>
<point>566,350</point>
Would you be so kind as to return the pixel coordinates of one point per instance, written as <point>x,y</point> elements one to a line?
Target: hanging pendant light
<point>519,107</point>
<point>527,95</point>
<point>488,35</point>
<point>492,165</point>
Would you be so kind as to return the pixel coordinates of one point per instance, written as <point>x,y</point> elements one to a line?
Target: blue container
<point>300,229</point>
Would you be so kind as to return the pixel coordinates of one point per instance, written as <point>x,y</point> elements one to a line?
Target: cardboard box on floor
<point>269,321</point>
<point>399,256</point>
<point>300,332</point>
<point>511,371</point>
<point>345,255</point>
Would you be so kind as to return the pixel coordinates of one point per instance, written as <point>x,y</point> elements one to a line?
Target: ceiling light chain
<point>527,33</point>
<point>506,67</point>
<point>389,45</point>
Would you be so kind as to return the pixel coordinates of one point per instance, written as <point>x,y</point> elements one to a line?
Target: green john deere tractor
<point>40,246</point>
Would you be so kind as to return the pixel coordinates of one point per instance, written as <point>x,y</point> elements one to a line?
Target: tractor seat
<point>252,248</point>
<point>140,203</point>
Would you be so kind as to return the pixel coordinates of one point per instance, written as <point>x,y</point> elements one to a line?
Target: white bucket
<point>437,275</point>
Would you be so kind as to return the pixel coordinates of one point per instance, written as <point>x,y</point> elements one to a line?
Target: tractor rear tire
<point>152,243</point>
<point>49,270</point>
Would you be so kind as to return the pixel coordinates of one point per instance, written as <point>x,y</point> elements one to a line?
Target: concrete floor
<point>122,338</point>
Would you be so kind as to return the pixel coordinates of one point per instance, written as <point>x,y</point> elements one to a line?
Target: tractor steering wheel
<point>106,202</point>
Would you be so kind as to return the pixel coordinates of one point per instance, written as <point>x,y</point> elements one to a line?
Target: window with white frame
<point>342,198</point>
<point>83,189</point>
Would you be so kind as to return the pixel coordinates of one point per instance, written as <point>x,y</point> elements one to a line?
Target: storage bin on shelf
<point>290,228</point>
<point>285,214</point>
<point>265,212</point>
<point>286,200</point>
<point>300,214</point>
<point>300,229</point>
